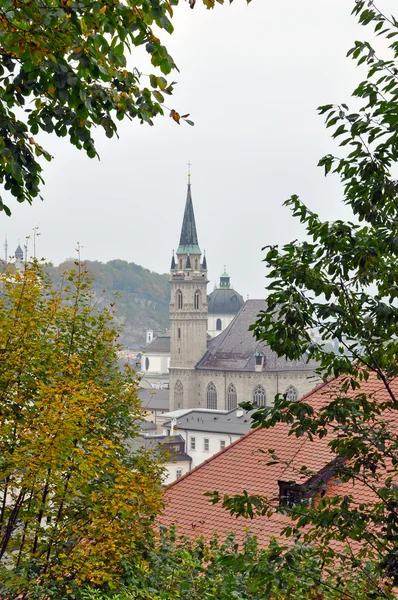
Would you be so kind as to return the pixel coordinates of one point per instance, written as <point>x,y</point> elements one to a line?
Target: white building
<point>155,361</point>
<point>206,432</point>
<point>172,448</point>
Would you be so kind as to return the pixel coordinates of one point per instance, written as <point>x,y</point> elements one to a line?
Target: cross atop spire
<point>189,172</point>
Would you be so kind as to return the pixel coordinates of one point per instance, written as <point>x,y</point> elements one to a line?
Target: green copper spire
<point>189,238</point>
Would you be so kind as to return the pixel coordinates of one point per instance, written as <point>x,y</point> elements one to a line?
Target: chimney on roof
<point>239,412</point>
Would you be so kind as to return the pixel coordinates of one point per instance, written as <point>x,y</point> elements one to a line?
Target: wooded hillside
<point>141,296</point>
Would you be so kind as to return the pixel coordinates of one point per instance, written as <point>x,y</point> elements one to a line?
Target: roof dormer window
<point>290,493</point>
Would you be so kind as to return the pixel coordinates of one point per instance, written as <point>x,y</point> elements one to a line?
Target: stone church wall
<point>245,384</point>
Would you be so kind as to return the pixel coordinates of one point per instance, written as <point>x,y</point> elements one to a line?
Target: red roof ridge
<point>243,437</point>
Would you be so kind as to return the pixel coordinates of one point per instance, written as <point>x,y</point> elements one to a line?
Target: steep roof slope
<point>235,348</point>
<point>160,344</point>
<point>243,466</point>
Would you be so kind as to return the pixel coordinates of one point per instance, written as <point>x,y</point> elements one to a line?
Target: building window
<point>206,444</point>
<point>146,363</point>
<point>211,396</point>
<point>291,393</point>
<point>232,397</point>
<point>178,473</point>
<point>222,444</point>
<point>179,333</point>
<point>259,359</point>
<point>179,299</point>
<point>178,394</point>
<point>193,443</point>
<point>259,396</point>
<point>196,300</point>
<point>218,325</point>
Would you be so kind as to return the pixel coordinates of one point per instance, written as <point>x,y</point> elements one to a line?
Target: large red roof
<point>243,466</point>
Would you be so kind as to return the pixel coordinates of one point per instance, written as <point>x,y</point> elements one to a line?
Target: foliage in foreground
<point>177,568</point>
<point>73,501</point>
<point>63,71</point>
<point>342,284</point>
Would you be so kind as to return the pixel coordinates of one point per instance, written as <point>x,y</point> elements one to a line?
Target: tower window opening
<point>196,264</point>
<point>179,333</point>
<point>178,394</point>
<point>211,396</point>
<point>218,325</point>
<point>180,263</point>
<point>196,300</point>
<point>179,299</point>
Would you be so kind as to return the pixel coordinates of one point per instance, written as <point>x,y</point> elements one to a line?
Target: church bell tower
<point>188,311</point>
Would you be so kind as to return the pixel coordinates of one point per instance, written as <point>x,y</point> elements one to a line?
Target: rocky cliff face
<point>140,296</point>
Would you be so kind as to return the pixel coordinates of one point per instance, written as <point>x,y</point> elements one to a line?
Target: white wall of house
<point>212,323</point>
<point>175,470</point>
<point>201,445</point>
<point>157,362</point>
<point>153,416</point>
<point>157,374</point>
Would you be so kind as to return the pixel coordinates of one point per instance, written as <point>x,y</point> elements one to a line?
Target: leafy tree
<point>342,284</point>
<point>73,500</point>
<point>176,568</point>
<point>63,70</point>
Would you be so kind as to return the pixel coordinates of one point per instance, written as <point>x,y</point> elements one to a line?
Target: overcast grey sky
<point>251,77</point>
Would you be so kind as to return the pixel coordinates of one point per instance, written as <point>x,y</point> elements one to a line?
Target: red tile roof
<point>243,466</point>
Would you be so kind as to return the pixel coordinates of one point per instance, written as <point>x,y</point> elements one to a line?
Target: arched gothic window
<point>211,396</point>
<point>179,299</point>
<point>232,397</point>
<point>196,300</point>
<point>218,325</point>
<point>259,396</point>
<point>179,333</point>
<point>291,393</point>
<point>178,394</point>
<point>146,363</point>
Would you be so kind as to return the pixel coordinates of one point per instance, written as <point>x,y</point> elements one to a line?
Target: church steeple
<point>188,311</point>
<point>19,253</point>
<point>189,237</point>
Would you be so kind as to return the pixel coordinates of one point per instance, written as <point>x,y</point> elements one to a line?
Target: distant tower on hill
<point>19,258</point>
